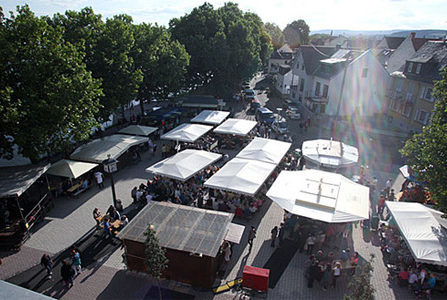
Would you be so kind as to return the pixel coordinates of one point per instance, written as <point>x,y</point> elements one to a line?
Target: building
<point>282,56</point>
<point>339,82</point>
<point>410,97</point>
<point>283,80</point>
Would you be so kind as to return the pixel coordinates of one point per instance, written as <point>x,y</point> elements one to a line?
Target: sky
<point>318,14</point>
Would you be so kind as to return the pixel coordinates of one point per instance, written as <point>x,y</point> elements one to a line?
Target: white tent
<point>186,132</point>
<point>184,164</point>
<point>213,117</point>
<point>266,150</point>
<point>420,226</point>
<point>328,153</point>
<point>321,195</point>
<point>138,130</point>
<point>236,126</point>
<point>241,176</point>
<point>70,168</point>
<point>98,150</point>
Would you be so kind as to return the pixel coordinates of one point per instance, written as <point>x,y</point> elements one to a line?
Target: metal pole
<point>113,189</point>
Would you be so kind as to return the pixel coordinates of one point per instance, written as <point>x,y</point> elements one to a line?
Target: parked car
<point>265,115</point>
<point>255,104</point>
<point>249,94</point>
<point>280,126</point>
<point>293,113</point>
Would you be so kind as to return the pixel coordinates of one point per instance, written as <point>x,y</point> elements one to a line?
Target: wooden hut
<point>191,236</point>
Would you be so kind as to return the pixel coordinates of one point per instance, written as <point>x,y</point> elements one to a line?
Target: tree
<point>47,96</point>
<point>226,46</point>
<point>155,256</point>
<point>162,61</point>
<point>360,286</point>
<point>278,39</point>
<point>297,33</point>
<point>318,38</point>
<point>426,152</point>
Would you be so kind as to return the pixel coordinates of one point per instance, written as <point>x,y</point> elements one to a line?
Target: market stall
<point>329,153</point>
<point>239,127</point>
<point>265,150</point>
<point>213,117</point>
<point>187,133</point>
<point>138,130</point>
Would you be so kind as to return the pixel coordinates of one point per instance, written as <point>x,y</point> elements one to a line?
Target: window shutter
<point>416,114</point>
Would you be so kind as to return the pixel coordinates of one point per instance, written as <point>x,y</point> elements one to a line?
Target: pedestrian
<point>274,233</point>
<point>354,262</point>
<point>76,261</point>
<point>97,216</point>
<point>309,245</point>
<point>281,234</point>
<point>336,272</point>
<point>251,237</point>
<point>388,185</point>
<point>312,274</point>
<point>99,179</point>
<point>391,196</point>
<point>163,151</point>
<point>67,273</point>
<point>133,194</point>
<point>227,252</point>
<point>107,228</point>
<point>326,279</point>
<point>47,263</point>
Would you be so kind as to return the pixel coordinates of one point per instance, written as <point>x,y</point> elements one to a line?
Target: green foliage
<point>297,33</point>
<point>360,287</point>
<point>47,96</point>
<point>162,62</point>
<point>226,46</point>
<point>426,152</point>
<point>318,38</point>
<point>276,35</point>
<point>155,256</point>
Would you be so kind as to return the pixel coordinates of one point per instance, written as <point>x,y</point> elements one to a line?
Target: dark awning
<point>14,181</point>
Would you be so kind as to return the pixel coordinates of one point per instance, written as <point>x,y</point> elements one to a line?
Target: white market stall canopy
<point>328,153</point>
<point>97,150</point>
<point>241,176</point>
<point>321,195</point>
<point>213,117</point>
<point>420,226</point>
<point>70,168</point>
<point>186,132</point>
<point>236,126</point>
<point>266,150</point>
<point>138,130</point>
<point>184,164</point>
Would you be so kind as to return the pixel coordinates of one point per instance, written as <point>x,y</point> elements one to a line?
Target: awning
<point>329,153</point>
<point>236,126</point>
<point>14,181</point>
<point>186,132</point>
<point>266,150</point>
<point>97,151</point>
<point>234,233</point>
<point>321,195</point>
<point>241,176</point>
<point>419,225</point>
<point>70,168</point>
<point>213,117</point>
<point>138,130</point>
<point>184,164</point>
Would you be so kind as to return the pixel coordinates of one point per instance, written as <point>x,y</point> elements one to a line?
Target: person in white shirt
<point>99,179</point>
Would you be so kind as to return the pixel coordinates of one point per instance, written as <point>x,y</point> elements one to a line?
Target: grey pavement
<point>71,219</point>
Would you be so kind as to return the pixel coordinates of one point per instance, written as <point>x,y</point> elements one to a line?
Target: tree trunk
<point>159,288</point>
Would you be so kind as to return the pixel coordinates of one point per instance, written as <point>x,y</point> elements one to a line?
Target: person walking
<point>281,234</point>
<point>47,263</point>
<point>133,194</point>
<point>97,216</point>
<point>67,273</point>
<point>99,179</point>
<point>326,279</point>
<point>274,233</point>
<point>76,261</point>
<point>251,237</point>
<point>336,272</point>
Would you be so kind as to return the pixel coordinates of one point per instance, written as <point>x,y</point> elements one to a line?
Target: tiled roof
<point>313,54</point>
<point>394,42</point>
<point>434,54</point>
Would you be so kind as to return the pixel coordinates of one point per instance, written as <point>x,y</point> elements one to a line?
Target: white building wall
<point>364,95</point>
<point>283,83</point>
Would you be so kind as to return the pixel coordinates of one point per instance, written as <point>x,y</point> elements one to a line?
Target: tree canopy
<point>426,152</point>
<point>278,39</point>
<point>297,33</point>
<point>47,95</point>
<point>226,45</point>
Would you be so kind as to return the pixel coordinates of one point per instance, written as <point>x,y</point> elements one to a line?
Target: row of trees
<point>294,34</point>
<point>61,75</point>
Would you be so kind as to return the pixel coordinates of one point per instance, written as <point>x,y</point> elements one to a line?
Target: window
<point>325,90</point>
<point>317,89</point>
<point>302,67</point>
<point>365,73</point>
<point>410,67</point>
<point>422,116</point>
<point>399,84</point>
<point>427,93</point>
<point>297,65</point>
<point>418,68</point>
<point>407,109</point>
<point>302,85</point>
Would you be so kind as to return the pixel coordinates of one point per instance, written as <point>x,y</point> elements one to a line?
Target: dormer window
<point>418,68</point>
<point>410,67</point>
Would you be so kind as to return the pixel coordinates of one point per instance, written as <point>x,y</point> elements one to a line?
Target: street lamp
<point>110,166</point>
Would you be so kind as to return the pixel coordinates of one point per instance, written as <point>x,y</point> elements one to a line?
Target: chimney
<point>413,35</point>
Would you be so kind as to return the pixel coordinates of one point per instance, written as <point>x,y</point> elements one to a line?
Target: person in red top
<point>354,262</point>
<point>403,277</point>
<point>381,205</point>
